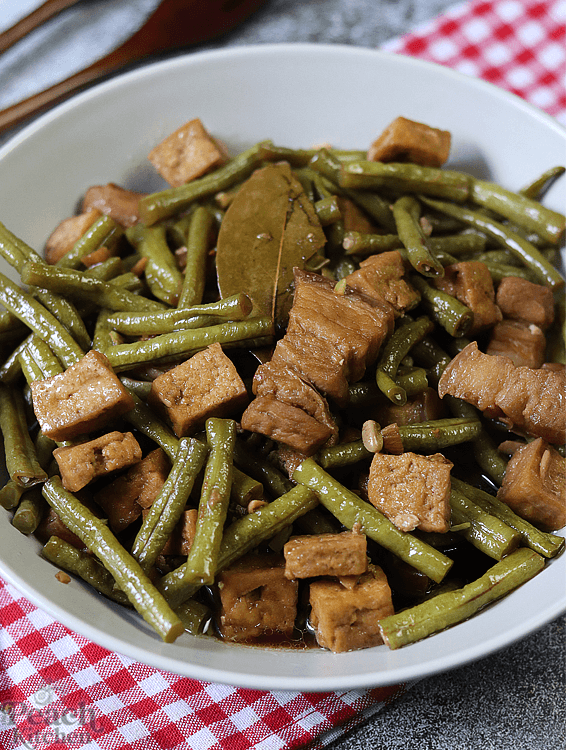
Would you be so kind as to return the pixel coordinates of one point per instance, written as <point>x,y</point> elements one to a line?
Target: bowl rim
<point>162,660</point>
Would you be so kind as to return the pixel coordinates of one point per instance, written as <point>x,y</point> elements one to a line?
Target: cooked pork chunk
<point>346,618</point>
<point>523,343</point>
<point>523,300</point>
<point>535,485</point>
<point>380,277</point>
<point>533,401</point>
<point>413,491</point>
<point>471,283</point>
<point>342,554</point>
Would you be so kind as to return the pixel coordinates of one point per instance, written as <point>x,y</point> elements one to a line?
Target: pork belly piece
<point>523,343</point>
<point>65,234</point>
<point>187,153</point>
<point>380,277</point>
<point>407,140</point>
<point>52,525</point>
<point>206,385</point>
<point>524,300</point>
<point>346,617</point>
<point>353,218</point>
<point>476,378</point>
<point>256,598</point>
<point>534,485</point>
<point>534,401</point>
<point>114,201</point>
<point>179,543</point>
<point>124,499</point>
<point>285,424</point>
<point>413,491</point>
<point>470,282</point>
<point>424,406</point>
<point>316,360</point>
<point>285,384</point>
<point>80,464</point>
<point>83,398</point>
<point>342,554</point>
<point>348,321</point>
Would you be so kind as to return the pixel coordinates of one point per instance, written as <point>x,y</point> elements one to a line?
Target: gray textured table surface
<point>512,700</point>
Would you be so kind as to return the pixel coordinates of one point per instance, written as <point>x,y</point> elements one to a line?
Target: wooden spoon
<point>173,25</point>
<point>34,19</point>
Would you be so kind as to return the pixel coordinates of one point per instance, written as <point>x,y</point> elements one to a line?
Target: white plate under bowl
<point>297,95</point>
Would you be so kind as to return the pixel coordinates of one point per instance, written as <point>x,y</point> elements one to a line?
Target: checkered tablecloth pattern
<point>59,690</point>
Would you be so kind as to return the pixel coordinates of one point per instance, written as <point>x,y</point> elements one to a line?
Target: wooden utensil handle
<point>37,17</point>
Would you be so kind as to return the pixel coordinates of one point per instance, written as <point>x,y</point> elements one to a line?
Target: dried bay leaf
<point>270,227</point>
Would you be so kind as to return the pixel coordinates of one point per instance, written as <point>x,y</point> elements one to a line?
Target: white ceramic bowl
<point>296,95</point>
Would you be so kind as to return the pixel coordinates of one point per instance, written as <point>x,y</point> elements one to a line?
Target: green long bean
<point>350,510</point>
<point>406,212</point>
<point>449,608</point>
<point>21,458</point>
<point>168,506</point>
<point>198,239</point>
<point>443,308</point>
<point>29,512</point>
<point>129,576</point>
<point>485,531</point>
<point>243,535</point>
<point>104,231</point>
<point>161,272</point>
<point>530,256</point>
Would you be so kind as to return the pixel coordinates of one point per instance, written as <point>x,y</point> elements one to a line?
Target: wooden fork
<point>173,25</point>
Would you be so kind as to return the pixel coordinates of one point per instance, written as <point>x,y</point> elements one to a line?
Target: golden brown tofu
<point>476,378</point>
<point>179,543</point>
<point>256,598</point>
<point>65,234</point>
<point>286,424</point>
<point>124,498</point>
<point>82,399</point>
<point>523,300</point>
<point>346,618</point>
<point>80,464</point>
<point>413,491</point>
<point>407,140</point>
<point>471,283</point>
<point>206,385</point>
<point>380,277</point>
<point>114,201</point>
<point>523,343</point>
<point>534,485</point>
<point>187,153</point>
<point>315,555</point>
<point>534,401</point>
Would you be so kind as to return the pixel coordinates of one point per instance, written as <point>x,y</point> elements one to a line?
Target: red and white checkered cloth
<point>59,690</point>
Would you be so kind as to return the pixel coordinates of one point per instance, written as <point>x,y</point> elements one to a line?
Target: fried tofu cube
<point>206,385</point>
<point>65,234</point>
<point>523,343</point>
<point>534,485</point>
<point>256,598</point>
<point>314,555</point>
<point>124,498</point>
<point>412,490</point>
<point>80,464</point>
<point>82,399</point>
<point>346,617</point>
<point>187,153</point>
<point>407,140</point>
